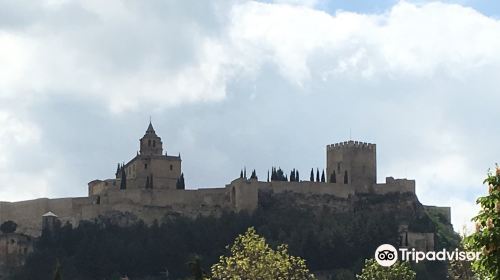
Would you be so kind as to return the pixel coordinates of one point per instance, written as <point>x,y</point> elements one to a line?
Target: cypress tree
<point>297,178</point>
<point>317,175</point>
<point>241,173</point>
<point>57,272</point>
<point>333,177</point>
<point>268,175</point>
<point>323,176</point>
<point>312,175</point>
<point>245,172</point>
<point>292,176</point>
<point>123,182</point>
<point>180,185</point>
<point>254,175</point>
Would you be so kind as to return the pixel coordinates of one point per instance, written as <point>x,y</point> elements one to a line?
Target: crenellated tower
<point>352,162</point>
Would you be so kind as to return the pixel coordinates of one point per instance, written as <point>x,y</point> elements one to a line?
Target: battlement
<point>351,144</point>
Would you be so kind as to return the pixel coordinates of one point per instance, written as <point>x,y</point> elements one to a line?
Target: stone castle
<point>150,186</point>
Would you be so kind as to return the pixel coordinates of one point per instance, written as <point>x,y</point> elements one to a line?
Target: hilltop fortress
<point>150,186</point>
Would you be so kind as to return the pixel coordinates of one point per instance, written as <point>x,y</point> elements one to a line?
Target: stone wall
<point>395,186</point>
<point>358,159</point>
<point>14,248</point>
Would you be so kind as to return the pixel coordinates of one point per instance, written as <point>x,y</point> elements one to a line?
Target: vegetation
<point>252,258</point>
<point>399,271</point>
<point>278,175</point>
<point>333,177</point>
<point>8,227</point>
<point>254,175</point>
<point>486,239</point>
<point>180,184</point>
<point>328,239</point>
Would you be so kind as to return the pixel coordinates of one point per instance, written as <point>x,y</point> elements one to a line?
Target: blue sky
<point>244,83</point>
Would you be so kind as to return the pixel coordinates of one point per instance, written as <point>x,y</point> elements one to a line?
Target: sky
<point>240,83</point>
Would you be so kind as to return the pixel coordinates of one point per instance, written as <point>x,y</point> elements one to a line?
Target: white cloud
<point>418,60</point>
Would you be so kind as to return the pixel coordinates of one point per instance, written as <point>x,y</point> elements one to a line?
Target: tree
<point>241,174</point>
<point>252,258</point>
<point>487,235</point>
<point>333,177</point>
<point>317,175</point>
<point>180,185</point>
<point>57,272</point>
<point>311,178</point>
<point>8,227</point>
<point>254,175</point>
<point>297,177</point>
<point>292,176</point>
<point>123,182</point>
<point>323,176</point>
<point>460,269</point>
<point>194,265</point>
<point>399,271</point>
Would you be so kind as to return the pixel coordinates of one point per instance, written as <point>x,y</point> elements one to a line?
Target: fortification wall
<point>395,186</point>
<point>28,214</point>
<point>306,187</point>
<point>244,193</point>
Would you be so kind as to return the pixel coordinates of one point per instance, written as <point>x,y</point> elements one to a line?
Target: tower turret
<point>353,162</point>
<point>151,143</point>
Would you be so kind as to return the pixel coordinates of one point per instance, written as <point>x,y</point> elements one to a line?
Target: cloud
<point>418,79</point>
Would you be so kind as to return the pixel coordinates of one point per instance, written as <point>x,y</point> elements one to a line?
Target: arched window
<point>149,142</point>
<point>154,143</point>
<point>145,166</point>
<point>346,178</point>
<point>171,167</point>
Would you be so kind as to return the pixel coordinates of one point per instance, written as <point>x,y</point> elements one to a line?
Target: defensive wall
<point>150,204</point>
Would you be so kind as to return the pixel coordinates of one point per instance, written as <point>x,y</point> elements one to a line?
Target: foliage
<point>333,177</point>
<point>252,258</point>
<point>254,175</point>
<point>8,227</point>
<point>123,181</point>
<point>57,273</point>
<point>460,270</point>
<point>486,239</point>
<point>399,271</point>
<point>181,184</point>
<point>328,239</point>
<point>278,175</point>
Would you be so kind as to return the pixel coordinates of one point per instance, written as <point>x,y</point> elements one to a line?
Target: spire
<point>150,128</point>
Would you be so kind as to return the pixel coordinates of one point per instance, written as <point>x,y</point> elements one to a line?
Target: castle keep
<point>150,186</point>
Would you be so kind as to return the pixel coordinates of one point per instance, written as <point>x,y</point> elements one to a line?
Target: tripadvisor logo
<point>387,255</point>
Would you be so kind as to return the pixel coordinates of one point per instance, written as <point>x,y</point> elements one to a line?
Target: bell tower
<point>150,143</point>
